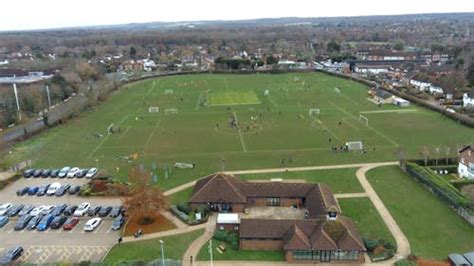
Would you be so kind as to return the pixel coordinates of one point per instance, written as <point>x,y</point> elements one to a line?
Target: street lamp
<point>162,253</point>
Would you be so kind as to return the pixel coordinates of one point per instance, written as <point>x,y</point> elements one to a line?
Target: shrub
<point>203,209</point>
<point>232,237</point>
<point>192,216</point>
<point>234,245</point>
<point>370,244</point>
<point>184,207</point>
<point>220,235</point>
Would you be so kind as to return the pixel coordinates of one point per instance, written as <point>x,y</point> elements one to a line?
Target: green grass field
<point>200,133</point>
<point>432,228</point>
<point>230,254</point>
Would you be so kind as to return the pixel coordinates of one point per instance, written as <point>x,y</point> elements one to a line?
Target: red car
<point>71,223</point>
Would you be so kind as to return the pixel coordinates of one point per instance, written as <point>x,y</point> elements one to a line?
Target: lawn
<point>148,250</point>
<point>432,228</point>
<point>230,254</point>
<point>269,133</point>
<point>367,219</point>
<point>340,180</point>
<point>179,197</point>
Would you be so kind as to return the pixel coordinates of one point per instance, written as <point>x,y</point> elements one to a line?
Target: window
<point>273,201</point>
<point>302,254</point>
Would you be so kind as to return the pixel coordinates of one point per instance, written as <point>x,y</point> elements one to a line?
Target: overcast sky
<point>39,14</point>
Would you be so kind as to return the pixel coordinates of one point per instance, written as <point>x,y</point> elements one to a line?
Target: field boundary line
<point>389,111</point>
<point>152,133</point>
<point>240,134</point>
<point>350,124</point>
<point>153,86</point>
<point>199,101</point>
<point>105,139</point>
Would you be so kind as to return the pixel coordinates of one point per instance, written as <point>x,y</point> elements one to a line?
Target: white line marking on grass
<point>389,111</point>
<point>240,134</point>
<point>152,133</point>
<point>105,138</point>
<point>153,86</point>
<point>350,124</point>
<point>228,104</point>
<point>198,101</point>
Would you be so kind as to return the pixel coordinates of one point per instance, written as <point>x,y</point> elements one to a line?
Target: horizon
<point>123,14</point>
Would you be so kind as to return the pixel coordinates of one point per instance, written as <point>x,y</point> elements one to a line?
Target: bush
<point>192,216</point>
<point>184,207</point>
<point>221,235</point>
<point>232,237</point>
<point>234,245</point>
<point>203,209</point>
<point>370,244</point>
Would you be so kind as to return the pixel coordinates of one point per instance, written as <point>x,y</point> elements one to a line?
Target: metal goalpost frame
<point>316,111</point>
<point>153,109</point>
<point>362,117</point>
<point>171,111</point>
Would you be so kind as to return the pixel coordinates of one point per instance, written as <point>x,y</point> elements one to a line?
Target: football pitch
<point>228,122</point>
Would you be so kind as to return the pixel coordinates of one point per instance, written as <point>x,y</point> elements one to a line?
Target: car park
<point>105,210</point>
<point>37,210</point>
<point>54,173</point>
<point>13,211</point>
<point>45,222</point>
<point>42,190</point>
<point>37,172</point>
<point>92,172</point>
<point>58,222</point>
<point>26,210</point>
<point>59,209</point>
<point>93,211</point>
<point>33,222</point>
<point>62,190</point>
<point>72,173</point>
<point>22,222</point>
<point>11,255</point>
<point>70,223</point>
<point>4,208</point>
<point>74,189</point>
<point>22,191</point>
<point>64,171</point>
<point>118,222</point>
<point>92,224</point>
<point>45,172</point>
<point>82,209</point>
<point>33,190</point>
<point>116,211</point>
<point>70,210</point>
<point>47,209</point>
<point>3,221</point>
<point>81,173</point>
<point>28,173</point>
<point>53,188</point>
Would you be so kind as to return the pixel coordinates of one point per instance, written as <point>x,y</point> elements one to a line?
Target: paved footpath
<point>194,248</point>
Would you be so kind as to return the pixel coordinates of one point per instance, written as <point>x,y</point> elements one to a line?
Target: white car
<point>53,188</point>
<point>4,208</point>
<point>47,209</point>
<point>82,209</point>
<point>64,171</point>
<point>92,224</point>
<point>73,172</point>
<point>37,211</point>
<point>92,172</point>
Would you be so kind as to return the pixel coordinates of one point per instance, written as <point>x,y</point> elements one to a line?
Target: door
<point>326,256</point>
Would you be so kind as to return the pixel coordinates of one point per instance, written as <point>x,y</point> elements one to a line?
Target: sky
<point>46,14</point>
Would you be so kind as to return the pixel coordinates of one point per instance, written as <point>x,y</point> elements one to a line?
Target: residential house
<point>130,65</point>
<point>325,235</point>
<point>466,162</point>
<point>421,85</point>
<point>468,99</point>
<point>372,69</point>
<point>435,89</point>
<point>382,97</point>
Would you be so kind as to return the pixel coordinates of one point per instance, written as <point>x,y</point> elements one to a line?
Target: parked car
<point>93,211</point>
<point>45,222</point>
<point>116,211</point>
<point>22,191</point>
<point>58,222</point>
<point>105,210</point>
<point>15,210</point>
<point>53,188</point>
<point>70,210</point>
<point>92,224</point>
<point>22,222</point>
<point>28,173</point>
<point>74,189</point>
<point>81,173</point>
<point>37,210</point>
<point>37,172</point>
<point>4,208</point>
<point>33,222</point>
<point>118,222</point>
<point>92,172</point>
<point>63,172</point>
<point>46,172</point>
<point>59,209</point>
<point>26,210</point>
<point>47,209</point>
<point>11,255</point>
<point>70,223</point>
<point>54,173</point>
<point>42,190</point>
<point>62,190</point>
<point>72,173</point>
<point>33,190</point>
<point>82,209</point>
<point>3,220</point>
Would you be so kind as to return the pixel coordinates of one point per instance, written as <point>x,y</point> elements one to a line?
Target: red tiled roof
<point>218,187</point>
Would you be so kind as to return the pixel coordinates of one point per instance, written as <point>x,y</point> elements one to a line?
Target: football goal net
<point>355,145</point>
<point>168,91</point>
<point>314,111</point>
<point>364,119</point>
<point>337,90</point>
<point>110,128</point>
<point>153,109</point>
<point>171,111</point>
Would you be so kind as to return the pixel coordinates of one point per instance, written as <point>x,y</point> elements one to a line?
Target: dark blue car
<point>33,190</point>
<point>45,222</point>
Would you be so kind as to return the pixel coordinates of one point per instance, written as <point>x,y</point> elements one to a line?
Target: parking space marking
<point>51,254</point>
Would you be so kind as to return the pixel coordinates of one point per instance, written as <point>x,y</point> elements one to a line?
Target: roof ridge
<point>237,190</point>
<point>211,176</point>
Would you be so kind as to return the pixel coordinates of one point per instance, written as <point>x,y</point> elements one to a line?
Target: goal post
<point>315,111</point>
<point>171,111</point>
<point>364,119</point>
<point>169,92</point>
<point>153,109</point>
<point>355,145</point>
<point>110,128</point>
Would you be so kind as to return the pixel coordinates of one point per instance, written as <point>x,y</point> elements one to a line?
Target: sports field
<point>229,122</point>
